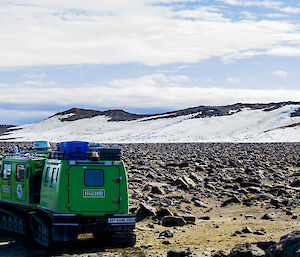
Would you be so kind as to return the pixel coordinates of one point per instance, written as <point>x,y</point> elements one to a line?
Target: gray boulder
<point>178,253</point>
<point>163,212</point>
<point>185,182</point>
<point>246,250</point>
<point>172,221</point>
<point>219,253</point>
<point>167,233</point>
<point>234,199</point>
<point>145,211</point>
<point>189,218</point>
<point>288,246</point>
<point>157,190</point>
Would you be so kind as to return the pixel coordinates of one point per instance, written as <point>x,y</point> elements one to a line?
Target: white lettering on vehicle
<point>121,220</point>
<point>93,193</point>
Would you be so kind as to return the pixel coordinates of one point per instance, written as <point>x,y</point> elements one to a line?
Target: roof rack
<point>28,154</point>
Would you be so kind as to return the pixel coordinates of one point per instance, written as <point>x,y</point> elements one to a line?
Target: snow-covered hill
<point>275,122</point>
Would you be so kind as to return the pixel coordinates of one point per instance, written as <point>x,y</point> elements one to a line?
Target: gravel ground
<point>220,194</point>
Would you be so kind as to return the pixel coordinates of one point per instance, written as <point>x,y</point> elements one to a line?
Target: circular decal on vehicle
<point>19,191</point>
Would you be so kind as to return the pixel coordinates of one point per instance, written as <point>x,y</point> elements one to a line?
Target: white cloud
<point>153,91</point>
<point>267,4</point>
<point>33,82</point>
<point>56,32</point>
<point>35,75</point>
<point>39,83</point>
<point>281,73</point>
<point>182,67</point>
<point>233,80</point>
<point>293,10</point>
<point>284,51</point>
<point>247,15</point>
<point>91,5</point>
<point>276,15</point>
<point>203,13</point>
<point>158,79</point>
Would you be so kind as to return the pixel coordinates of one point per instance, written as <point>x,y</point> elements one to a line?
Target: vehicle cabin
<point>59,194</point>
<point>20,179</point>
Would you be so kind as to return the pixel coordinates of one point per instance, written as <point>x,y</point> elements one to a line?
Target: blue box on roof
<point>73,146</point>
<point>76,156</point>
<point>74,150</point>
<point>59,146</point>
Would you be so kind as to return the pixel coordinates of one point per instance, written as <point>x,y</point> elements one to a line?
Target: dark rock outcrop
<point>289,246</point>
<point>145,211</point>
<point>246,250</point>
<point>172,221</point>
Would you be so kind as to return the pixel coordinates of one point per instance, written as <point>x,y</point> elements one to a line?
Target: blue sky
<point>145,56</point>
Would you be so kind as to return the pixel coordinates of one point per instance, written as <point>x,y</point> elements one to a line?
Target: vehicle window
<point>93,177</point>
<point>47,175</point>
<point>6,171</point>
<point>57,174</point>
<point>54,171</point>
<point>20,172</point>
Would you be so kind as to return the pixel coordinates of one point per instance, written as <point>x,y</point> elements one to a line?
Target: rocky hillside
<point>273,122</point>
<point>114,115</point>
<point>5,128</point>
<point>201,111</point>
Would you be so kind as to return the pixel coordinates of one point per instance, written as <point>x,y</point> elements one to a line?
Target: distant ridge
<point>115,115</point>
<point>240,122</point>
<point>203,112</point>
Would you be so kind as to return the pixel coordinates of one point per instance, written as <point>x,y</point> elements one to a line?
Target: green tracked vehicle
<point>54,196</point>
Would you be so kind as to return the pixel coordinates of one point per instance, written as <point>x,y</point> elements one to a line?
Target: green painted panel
<point>50,185</point>
<point>17,181</point>
<point>94,188</point>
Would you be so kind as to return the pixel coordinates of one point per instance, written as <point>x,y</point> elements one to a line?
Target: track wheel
<point>103,238</point>
<point>123,239</point>
<point>15,224</point>
<point>21,226</point>
<point>46,235</point>
<point>9,222</point>
<point>4,221</point>
<point>42,234</point>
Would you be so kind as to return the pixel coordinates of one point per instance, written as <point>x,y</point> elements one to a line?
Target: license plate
<point>121,220</point>
<point>93,193</point>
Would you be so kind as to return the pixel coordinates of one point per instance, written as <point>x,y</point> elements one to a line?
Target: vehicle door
<point>6,186</point>
<point>20,185</point>
<point>94,188</point>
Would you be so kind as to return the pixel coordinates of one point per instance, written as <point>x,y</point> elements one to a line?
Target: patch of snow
<point>244,126</point>
<point>233,111</point>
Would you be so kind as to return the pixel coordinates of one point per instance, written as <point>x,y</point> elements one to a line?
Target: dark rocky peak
<point>114,115</point>
<point>200,111</point>
<point>210,111</point>
<point>77,113</point>
<point>296,113</point>
<point>120,115</point>
<point>5,128</point>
